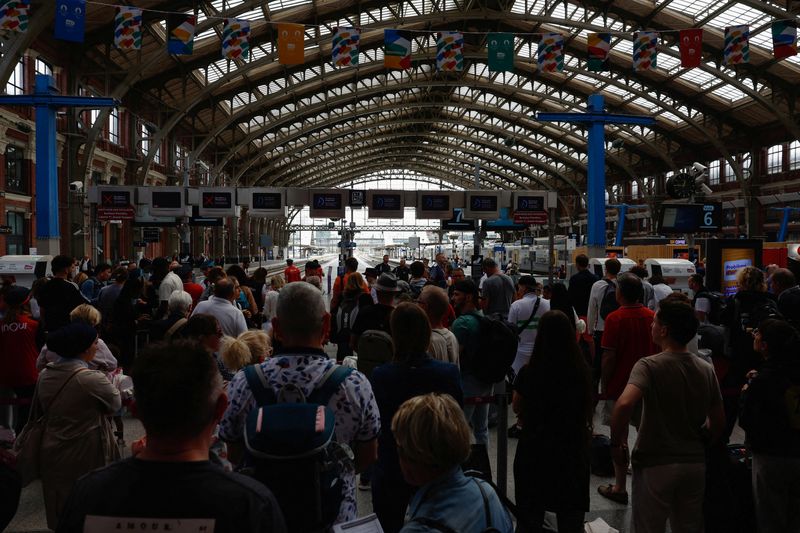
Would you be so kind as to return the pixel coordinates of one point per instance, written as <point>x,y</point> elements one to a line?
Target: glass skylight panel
<point>729,92</point>
<point>669,116</point>
<point>688,7</point>
<point>739,14</point>
<point>277,5</point>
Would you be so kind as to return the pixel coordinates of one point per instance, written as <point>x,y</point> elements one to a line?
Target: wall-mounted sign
<point>458,222</point>
<point>358,198</point>
<point>151,234</point>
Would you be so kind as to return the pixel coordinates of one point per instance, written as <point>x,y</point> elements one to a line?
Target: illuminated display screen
<point>267,200</point>
<point>167,200</point>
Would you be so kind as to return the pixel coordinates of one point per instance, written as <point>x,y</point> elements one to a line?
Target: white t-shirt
<point>170,283</point>
<point>661,291</point>
<point>518,314</point>
<point>594,322</point>
<point>703,305</point>
<point>444,345</point>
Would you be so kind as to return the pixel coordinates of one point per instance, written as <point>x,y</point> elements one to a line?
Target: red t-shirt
<point>195,290</point>
<point>627,332</point>
<point>291,273</point>
<point>18,352</point>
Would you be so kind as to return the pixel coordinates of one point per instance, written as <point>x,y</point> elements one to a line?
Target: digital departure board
<point>385,204</point>
<point>483,205</point>
<point>327,203</point>
<point>217,202</point>
<point>115,198</point>
<point>529,203</point>
<point>434,205</point>
<point>166,200</point>
<point>267,200</point>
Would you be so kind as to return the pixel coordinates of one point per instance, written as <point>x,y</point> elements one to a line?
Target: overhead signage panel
<point>115,203</point>
<point>216,202</point>
<point>266,202</point>
<point>484,205</point>
<point>385,204</point>
<point>434,205</point>
<point>327,203</point>
<point>164,201</point>
<point>458,222</point>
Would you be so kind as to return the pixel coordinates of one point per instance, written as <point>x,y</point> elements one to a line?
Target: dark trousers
<point>597,363</point>
<point>23,410</point>
<point>389,501</point>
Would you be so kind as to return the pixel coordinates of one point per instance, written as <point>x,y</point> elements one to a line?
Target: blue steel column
<point>596,187</point>
<point>46,170</point>
<point>622,209</point>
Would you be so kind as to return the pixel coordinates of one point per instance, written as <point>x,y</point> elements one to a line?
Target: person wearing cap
<point>377,316</point>
<point>466,328</point>
<point>18,351</point>
<point>291,272</point>
<point>78,437</point>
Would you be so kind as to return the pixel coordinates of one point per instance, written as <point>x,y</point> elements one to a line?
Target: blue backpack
<point>290,448</point>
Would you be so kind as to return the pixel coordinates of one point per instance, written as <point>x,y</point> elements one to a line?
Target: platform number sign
<point>710,216</point>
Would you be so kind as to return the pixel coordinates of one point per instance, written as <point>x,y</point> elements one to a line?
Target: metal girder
<point>498,89</point>
<point>308,178</point>
<point>374,227</point>
<point>319,107</point>
<point>478,125</point>
<point>376,139</point>
<point>14,48</point>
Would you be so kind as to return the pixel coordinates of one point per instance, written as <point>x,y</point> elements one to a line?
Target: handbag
<point>28,445</point>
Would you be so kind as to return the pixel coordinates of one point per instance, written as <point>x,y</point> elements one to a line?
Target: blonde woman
<point>103,359</point>
<point>270,296</point>
<point>432,438</point>
<point>78,403</point>
<point>249,348</point>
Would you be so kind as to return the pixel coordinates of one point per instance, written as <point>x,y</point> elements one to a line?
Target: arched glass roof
<point>256,121</point>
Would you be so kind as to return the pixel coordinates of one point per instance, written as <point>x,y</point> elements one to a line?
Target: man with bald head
<point>301,326</point>
<point>221,307</point>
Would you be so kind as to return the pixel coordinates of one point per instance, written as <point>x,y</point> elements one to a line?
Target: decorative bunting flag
<point>691,47</point>
<point>70,20</point>
<point>128,28</point>
<point>501,52</point>
<point>236,39</point>
<point>14,15</point>
<point>599,45</point>
<point>645,54</point>
<point>737,45</point>
<point>180,33</point>
<point>344,52</point>
<point>550,53</point>
<point>450,51</point>
<point>784,38</point>
<point>397,52</point>
<point>291,39</point>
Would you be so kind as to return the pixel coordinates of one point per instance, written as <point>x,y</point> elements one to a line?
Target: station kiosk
<point>25,268</point>
<point>597,265</point>
<point>680,269</point>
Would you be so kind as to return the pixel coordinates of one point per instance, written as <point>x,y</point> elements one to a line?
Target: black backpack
<point>759,312</point>
<point>609,302</point>
<point>496,350</point>
<point>345,317</point>
<point>290,448</point>
<point>718,303</point>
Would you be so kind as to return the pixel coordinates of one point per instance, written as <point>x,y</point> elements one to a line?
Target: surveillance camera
<point>705,189</point>
<point>76,186</point>
<point>699,167</point>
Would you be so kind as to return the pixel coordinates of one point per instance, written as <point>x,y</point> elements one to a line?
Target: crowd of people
<point>234,387</point>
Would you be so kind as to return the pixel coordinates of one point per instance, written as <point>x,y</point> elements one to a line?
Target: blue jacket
<point>456,501</point>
